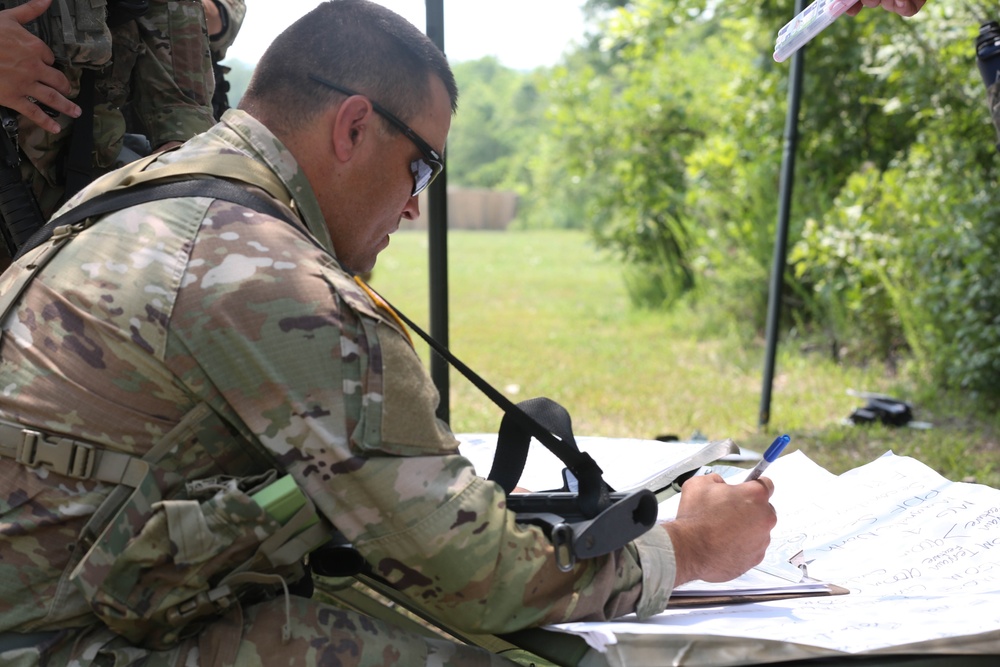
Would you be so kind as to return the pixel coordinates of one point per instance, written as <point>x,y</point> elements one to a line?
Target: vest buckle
<point>60,455</point>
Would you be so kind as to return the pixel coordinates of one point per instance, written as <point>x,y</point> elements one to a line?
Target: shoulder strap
<point>231,166</point>
<point>115,200</point>
<point>66,225</point>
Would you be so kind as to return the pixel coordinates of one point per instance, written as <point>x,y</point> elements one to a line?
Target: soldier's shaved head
<point>356,44</point>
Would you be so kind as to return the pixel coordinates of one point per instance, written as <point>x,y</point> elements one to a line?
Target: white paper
<point>919,554</point>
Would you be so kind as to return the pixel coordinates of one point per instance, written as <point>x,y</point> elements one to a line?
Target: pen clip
<point>799,561</point>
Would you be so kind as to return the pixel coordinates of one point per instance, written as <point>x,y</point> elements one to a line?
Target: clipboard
<point>759,584</point>
<point>694,601</point>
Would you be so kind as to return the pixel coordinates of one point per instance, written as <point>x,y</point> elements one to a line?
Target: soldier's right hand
<point>26,72</point>
<point>721,530</point>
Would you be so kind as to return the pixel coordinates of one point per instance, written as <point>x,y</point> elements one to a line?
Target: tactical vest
<point>162,556</point>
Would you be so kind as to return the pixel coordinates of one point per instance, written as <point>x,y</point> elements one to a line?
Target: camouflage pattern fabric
<point>75,30</point>
<point>160,63</point>
<point>320,634</point>
<point>158,308</point>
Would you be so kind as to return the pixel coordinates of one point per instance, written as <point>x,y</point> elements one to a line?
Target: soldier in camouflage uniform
<point>255,325</point>
<point>159,64</point>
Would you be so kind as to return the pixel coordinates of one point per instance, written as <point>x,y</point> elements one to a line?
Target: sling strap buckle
<point>63,231</point>
<point>204,604</point>
<point>64,456</point>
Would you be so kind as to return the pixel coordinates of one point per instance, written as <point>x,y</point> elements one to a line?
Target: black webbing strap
<point>108,202</point>
<point>519,426</point>
<point>515,439</point>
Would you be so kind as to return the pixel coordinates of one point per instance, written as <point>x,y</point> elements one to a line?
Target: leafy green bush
<point>906,259</point>
<point>956,305</point>
<point>664,136</point>
<point>843,260</point>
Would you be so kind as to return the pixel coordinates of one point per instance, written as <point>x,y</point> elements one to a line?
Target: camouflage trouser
<point>321,635</point>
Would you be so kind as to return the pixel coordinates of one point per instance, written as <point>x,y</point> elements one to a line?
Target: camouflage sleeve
<point>295,352</point>
<point>174,71</point>
<point>234,11</point>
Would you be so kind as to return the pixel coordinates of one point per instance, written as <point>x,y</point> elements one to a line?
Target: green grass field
<point>542,313</point>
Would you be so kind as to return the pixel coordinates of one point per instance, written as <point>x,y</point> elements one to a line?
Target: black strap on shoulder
<point>108,202</point>
<point>514,439</point>
<point>589,523</point>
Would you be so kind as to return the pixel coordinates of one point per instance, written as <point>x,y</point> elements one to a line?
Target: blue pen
<point>773,452</point>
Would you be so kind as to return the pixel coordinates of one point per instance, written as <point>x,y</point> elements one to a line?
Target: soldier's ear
<point>352,126</point>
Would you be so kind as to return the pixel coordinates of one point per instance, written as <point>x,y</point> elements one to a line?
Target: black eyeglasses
<point>424,169</point>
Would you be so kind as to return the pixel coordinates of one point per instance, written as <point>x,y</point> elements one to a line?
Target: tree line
<point>663,135</point>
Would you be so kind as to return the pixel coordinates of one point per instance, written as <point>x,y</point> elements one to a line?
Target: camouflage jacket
<point>158,308</point>
<point>160,66</point>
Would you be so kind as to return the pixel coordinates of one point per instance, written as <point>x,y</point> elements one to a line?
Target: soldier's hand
<point>901,7</point>
<point>26,72</point>
<point>721,530</point>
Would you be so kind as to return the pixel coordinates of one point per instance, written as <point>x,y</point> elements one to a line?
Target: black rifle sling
<point>586,524</point>
<point>541,418</point>
<point>507,469</point>
<point>548,422</point>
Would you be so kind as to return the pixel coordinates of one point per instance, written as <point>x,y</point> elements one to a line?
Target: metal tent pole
<point>437,215</point>
<point>781,236</point>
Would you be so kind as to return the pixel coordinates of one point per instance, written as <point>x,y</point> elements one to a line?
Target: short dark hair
<point>355,43</point>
